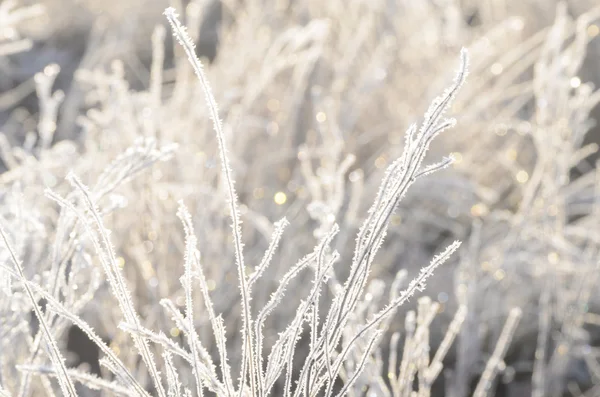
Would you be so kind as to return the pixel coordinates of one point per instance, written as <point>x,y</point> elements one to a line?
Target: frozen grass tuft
<point>296,240</point>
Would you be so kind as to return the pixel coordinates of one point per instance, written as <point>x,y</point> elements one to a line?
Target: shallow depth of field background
<point>315,96</point>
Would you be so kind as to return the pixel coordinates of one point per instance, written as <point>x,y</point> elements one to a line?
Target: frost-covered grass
<point>302,237</point>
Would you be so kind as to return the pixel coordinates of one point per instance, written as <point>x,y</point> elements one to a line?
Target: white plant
<point>305,148</point>
<point>329,348</point>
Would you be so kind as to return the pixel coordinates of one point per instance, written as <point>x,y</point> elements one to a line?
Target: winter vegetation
<point>389,198</point>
